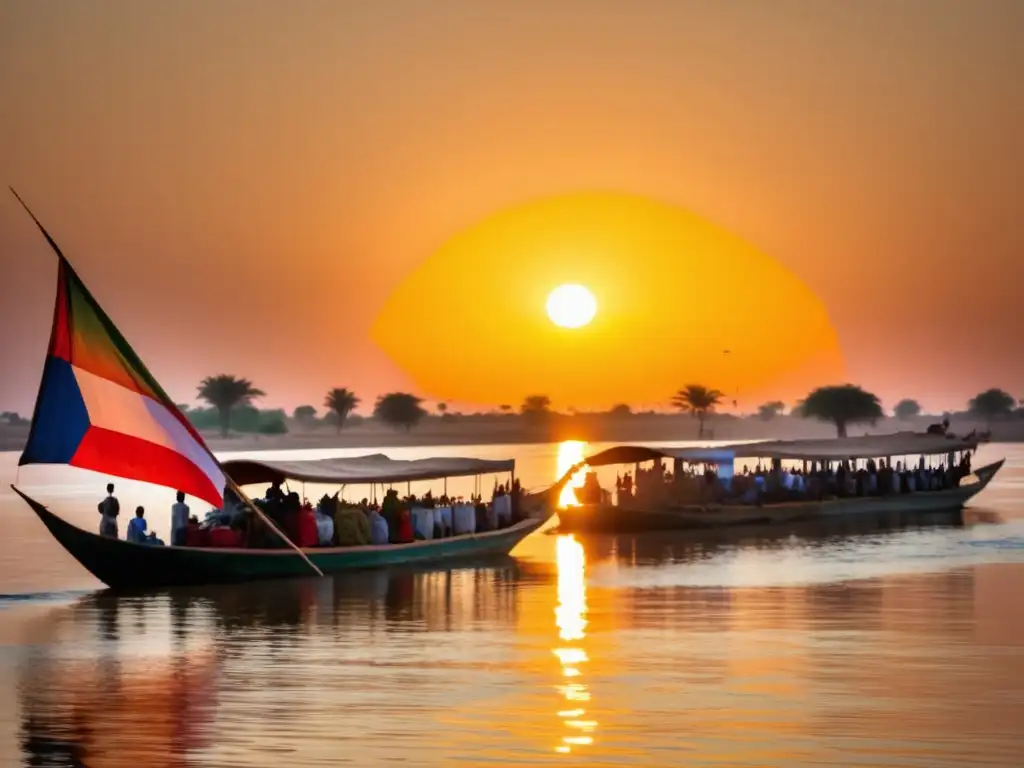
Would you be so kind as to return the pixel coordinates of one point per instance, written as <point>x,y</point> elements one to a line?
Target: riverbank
<point>639,428</point>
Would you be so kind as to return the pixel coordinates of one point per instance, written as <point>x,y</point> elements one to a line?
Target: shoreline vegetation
<point>486,429</point>
<point>399,419</point>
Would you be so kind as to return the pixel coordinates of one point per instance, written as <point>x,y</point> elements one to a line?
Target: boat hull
<point>613,519</point>
<point>125,565</point>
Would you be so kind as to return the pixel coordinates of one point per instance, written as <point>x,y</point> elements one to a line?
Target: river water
<point>859,643</point>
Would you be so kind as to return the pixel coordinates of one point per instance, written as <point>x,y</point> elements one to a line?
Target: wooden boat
<point>98,407</point>
<point>124,565</point>
<point>634,516</point>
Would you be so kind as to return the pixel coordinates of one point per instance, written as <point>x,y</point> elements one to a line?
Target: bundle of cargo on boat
<point>351,527</point>
<point>423,523</point>
<point>407,519</point>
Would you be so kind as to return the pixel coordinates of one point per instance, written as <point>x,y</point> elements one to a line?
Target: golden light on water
<point>570,453</point>
<point>570,655</point>
<point>570,618</point>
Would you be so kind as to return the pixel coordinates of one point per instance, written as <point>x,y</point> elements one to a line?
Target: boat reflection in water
<point>167,678</point>
<point>570,617</point>
<point>121,689</point>
<point>814,538</point>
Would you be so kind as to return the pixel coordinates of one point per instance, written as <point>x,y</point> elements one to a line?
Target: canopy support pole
<point>513,503</point>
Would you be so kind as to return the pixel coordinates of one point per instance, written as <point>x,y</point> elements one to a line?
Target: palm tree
<point>399,409</point>
<point>341,402</point>
<point>768,411</point>
<point>992,404</point>
<point>842,405</point>
<point>225,392</point>
<point>697,400</point>
<point>906,410</point>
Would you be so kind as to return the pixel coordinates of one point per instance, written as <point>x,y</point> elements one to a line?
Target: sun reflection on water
<point>570,453</point>
<point>570,617</point>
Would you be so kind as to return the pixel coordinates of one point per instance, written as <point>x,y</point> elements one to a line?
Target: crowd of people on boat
<point>845,479</point>
<point>775,482</point>
<point>331,522</point>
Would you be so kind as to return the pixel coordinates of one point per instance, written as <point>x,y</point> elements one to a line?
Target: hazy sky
<point>243,183</point>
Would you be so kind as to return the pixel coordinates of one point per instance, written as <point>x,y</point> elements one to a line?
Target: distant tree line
<point>843,405</point>
<point>230,400</point>
<point>847,404</point>
<point>12,419</point>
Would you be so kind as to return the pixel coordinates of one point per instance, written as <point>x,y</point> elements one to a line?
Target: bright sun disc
<point>571,306</point>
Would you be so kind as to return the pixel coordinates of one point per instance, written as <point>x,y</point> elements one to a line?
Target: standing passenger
<point>109,509</point>
<point>179,521</point>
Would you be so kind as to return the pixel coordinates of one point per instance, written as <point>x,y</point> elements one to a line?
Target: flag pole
<point>230,483</point>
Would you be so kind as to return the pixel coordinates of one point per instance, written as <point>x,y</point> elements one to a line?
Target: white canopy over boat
<point>835,449</point>
<point>637,454</point>
<point>375,468</point>
<point>865,447</point>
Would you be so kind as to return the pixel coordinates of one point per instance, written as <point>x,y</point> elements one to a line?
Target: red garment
<point>196,536</point>
<point>308,535</point>
<point>222,536</point>
<point>405,530</point>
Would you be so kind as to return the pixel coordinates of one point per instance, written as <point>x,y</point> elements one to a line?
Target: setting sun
<point>675,292</point>
<point>571,306</point>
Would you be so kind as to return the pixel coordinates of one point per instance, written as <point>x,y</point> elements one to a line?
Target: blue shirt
<point>137,530</point>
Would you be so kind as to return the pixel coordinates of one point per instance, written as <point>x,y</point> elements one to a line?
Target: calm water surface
<point>866,643</point>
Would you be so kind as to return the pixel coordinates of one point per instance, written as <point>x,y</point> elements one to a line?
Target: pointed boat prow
<point>987,472</point>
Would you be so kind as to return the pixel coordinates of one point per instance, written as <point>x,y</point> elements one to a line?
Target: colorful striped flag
<point>99,408</point>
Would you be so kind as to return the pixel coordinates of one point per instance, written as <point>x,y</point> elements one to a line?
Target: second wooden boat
<point>636,514</point>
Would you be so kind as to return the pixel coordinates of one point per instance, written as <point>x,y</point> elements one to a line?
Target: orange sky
<point>311,155</point>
